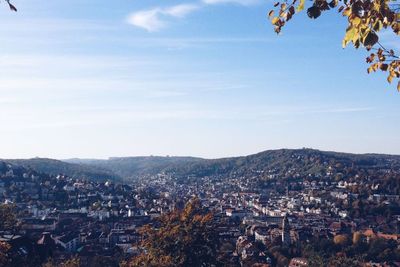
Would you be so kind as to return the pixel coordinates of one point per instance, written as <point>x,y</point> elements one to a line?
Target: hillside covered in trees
<point>55,167</point>
<point>282,164</point>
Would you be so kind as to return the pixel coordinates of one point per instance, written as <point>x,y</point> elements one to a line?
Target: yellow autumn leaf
<point>271,14</point>
<point>351,35</point>
<point>356,21</point>
<point>346,12</point>
<point>390,78</point>
<point>300,7</point>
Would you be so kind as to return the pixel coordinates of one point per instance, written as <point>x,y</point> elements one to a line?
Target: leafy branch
<point>366,19</point>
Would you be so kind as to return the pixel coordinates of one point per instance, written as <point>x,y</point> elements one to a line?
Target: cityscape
<point>199,133</point>
<point>343,211</point>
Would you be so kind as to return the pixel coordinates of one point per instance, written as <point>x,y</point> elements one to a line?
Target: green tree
<point>366,20</point>
<point>344,262</point>
<point>316,260</point>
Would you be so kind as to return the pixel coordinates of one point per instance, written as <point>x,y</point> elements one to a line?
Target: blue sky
<point>205,78</point>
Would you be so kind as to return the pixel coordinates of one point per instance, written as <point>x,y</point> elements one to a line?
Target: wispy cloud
<point>158,18</point>
<point>345,110</point>
<point>182,10</point>
<point>301,111</point>
<point>148,19</point>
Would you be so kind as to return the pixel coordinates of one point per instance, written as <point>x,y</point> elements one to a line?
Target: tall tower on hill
<point>285,232</point>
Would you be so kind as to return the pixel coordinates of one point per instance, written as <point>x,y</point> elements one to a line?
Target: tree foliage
<point>8,220</point>
<point>184,238</point>
<point>4,257</point>
<point>366,20</point>
<point>72,262</point>
<point>340,251</point>
<point>341,240</point>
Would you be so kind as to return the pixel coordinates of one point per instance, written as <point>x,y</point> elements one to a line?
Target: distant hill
<point>17,171</point>
<point>55,167</point>
<point>282,163</point>
<point>133,167</point>
<point>304,161</point>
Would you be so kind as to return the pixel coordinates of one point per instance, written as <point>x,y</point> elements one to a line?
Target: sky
<point>207,78</point>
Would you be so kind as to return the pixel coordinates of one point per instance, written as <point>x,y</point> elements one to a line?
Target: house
<point>69,242</point>
<point>370,234</point>
<point>45,225</point>
<point>298,262</point>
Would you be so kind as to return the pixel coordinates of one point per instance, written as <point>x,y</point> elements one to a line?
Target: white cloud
<point>148,19</point>
<point>240,2</point>
<point>181,11</point>
<point>157,18</point>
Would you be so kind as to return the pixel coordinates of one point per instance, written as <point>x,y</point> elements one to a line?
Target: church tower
<point>285,232</point>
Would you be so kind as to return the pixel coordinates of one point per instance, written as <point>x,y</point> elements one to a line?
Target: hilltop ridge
<point>306,161</point>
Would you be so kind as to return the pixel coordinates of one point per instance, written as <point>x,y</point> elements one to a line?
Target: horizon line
<point>198,157</point>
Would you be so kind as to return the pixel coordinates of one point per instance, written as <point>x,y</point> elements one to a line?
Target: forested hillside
<point>55,167</point>
<point>283,164</point>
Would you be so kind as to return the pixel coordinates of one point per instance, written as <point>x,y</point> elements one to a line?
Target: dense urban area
<point>277,208</point>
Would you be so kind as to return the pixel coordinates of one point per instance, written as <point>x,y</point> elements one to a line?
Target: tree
<point>366,20</point>
<point>184,238</point>
<point>72,262</point>
<point>356,238</point>
<point>344,261</point>
<point>316,260</point>
<point>4,257</point>
<point>8,220</point>
<point>341,240</point>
